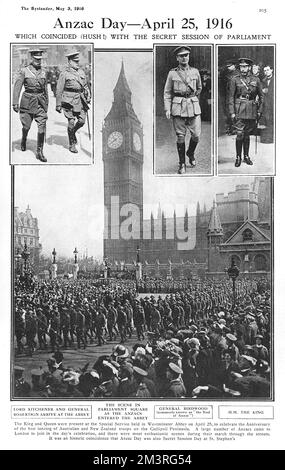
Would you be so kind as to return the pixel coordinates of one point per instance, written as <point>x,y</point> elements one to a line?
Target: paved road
<point>56,147</point>
<point>165,153</point>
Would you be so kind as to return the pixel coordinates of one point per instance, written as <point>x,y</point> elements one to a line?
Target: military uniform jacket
<point>72,90</point>
<point>245,97</point>
<point>35,94</point>
<point>181,91</point>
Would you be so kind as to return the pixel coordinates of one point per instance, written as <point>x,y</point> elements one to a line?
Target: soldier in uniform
<point>34,100</point>
<point>73,96</point>
<point>229,73</point>
<point>181,101</point>
<point>245,107</point>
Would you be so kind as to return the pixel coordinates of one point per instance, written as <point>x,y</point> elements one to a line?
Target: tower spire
<point>215,226</point>
<point>122,89</point>
<point>122,104</point>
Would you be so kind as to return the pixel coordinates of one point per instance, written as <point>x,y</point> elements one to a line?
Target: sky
<point>68,200</point>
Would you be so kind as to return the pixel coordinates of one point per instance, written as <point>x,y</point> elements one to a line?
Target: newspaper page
<point>142,268</point>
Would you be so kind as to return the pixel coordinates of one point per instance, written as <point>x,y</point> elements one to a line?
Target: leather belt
<point>31,92</point>
<point>73,90</point>
<point>184,95</point>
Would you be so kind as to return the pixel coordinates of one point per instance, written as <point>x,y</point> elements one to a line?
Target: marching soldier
<point>34,100</point>
<point>31,331</point>
<point>80,330</point>
<point>181,101</point>
<point>245,107</point>
<point>65,327</point>
<point>111,321</point>
<point>19,331</point>
<point>42,328</point>
<point>101,324</point>
<point>139,320</point>
<point>73,96</point>
<point>54,329</point>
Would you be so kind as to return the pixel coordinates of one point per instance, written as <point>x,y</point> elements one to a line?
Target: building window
<point>236,260</point>
<point>260,263</point>
<point>247,235</point>
<point>31,241</point>
<point>25,230</point>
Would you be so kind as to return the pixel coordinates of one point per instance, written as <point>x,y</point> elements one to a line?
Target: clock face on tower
<point>137,141</point>
<point>115,140</point>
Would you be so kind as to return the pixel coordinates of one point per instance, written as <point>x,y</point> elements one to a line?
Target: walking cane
<point>88,125</point>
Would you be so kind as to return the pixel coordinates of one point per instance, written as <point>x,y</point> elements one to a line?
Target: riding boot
<point>181,154</point>
<point>71,136</point>
<point>75,129</point>
<point>40,145</point>
<point>246,143</point>
<point>238,152</point>
<point>24,139</point>
<point>190,152</point>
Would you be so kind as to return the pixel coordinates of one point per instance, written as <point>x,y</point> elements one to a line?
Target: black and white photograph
<point>183,110</point>
<point>125,290</point>
<point>246,110</point>
<point>51,103</point>
<point>140,298</point>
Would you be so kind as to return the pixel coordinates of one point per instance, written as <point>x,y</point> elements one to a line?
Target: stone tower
<point>123,175</point>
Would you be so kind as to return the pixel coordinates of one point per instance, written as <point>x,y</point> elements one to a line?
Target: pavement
<point>165,151</point>
<point>56,146</point>
<point>263,160</point>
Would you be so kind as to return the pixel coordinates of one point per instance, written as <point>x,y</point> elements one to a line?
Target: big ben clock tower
<point>123,173</point>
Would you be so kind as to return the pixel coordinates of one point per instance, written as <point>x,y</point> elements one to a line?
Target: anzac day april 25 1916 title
<point>146,24</point>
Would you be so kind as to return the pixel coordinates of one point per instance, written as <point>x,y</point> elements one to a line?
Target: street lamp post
<point>53,256</point>
<point>75,255</point>
<point>54,265</point>
<point>75,266</point>
<point>233,273</point>
<point>17,259</point>
<point>25,255</point>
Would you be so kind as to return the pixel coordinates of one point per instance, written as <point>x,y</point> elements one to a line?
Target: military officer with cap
<point>34,100</point>
<point>181,101</point>
<point>73,96</point>
<point>245,103</point>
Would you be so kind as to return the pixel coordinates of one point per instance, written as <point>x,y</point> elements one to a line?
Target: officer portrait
<point>246,110</point>
<point>51,98</point>
<point>183,110</point>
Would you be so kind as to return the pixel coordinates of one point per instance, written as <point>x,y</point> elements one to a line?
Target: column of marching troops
<point>197,341</point>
